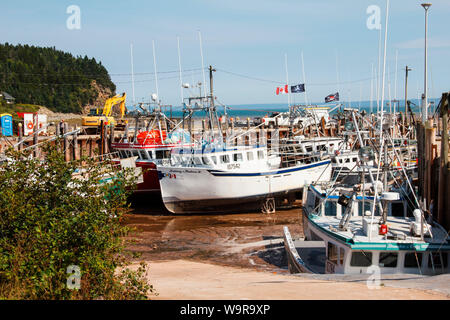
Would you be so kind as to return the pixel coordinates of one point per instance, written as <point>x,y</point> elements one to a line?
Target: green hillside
<point>51,78</point>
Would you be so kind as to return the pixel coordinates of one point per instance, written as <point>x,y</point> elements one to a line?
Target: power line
<point>96,75</point>
<point>76,84</point>
<point>309,84</point>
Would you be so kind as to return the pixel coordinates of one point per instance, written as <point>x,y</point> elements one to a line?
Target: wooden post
<point>66,141</point>
<point>126,133</point>
<point>102,138</point>
<point>111,137</point>
<point>20,133</point>
<point>91,149</point>
<point>74,146</point>
<point>444,176</point>
<point>82,146</point>
<point>136,123</point>
<point>429,141</point>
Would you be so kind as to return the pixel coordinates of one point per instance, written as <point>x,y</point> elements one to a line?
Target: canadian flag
<point>282,89</point>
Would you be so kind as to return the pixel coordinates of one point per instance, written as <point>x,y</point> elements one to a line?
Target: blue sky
<point>247,37</point>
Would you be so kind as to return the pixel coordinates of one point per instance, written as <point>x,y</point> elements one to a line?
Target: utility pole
<point>426,6</point>
<point>407,69</point>
<point>211,70</point>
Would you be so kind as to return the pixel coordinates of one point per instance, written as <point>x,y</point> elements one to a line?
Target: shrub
<point>56,214</point>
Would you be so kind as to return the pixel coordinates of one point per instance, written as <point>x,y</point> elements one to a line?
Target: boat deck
<point>398,236</point>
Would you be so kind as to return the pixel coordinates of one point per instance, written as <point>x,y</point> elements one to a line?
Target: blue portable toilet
<point>6,124</point>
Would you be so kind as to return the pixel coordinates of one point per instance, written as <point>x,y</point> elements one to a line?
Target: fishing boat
<point>341,235</point>
<point>151,146</point>
<point>218,179</point>
<point>372,226</point>
<point>218,175</point>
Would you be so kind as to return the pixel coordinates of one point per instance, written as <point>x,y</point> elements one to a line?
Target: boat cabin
<point>393,246</point>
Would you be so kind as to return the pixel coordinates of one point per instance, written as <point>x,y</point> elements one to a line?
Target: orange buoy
<point>151,137</point>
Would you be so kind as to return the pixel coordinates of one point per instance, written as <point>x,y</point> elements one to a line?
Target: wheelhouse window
<point>330,208</point>
<point>159,154</point>
<point>361,259</point>
<point>309,149</point>
<point>341,256</point>
<point>250,156</point>
<point>214,159</point>
<point>143,154</point>
<point>198,161</point>
<point>332,253</point>
<point>237,157</point>
<point>438,259</point>
<point>397,209</point>
<point>225,158</point>
<point>260,154</point>
<point>413,260</point>
<point>367,207</point>
<point>388,259</point>
<point>206,160</point>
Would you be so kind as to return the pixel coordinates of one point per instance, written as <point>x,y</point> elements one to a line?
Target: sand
<point>190,280</point>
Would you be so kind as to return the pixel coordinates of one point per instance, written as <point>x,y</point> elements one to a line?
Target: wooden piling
<point>443,210</point>
<point>102,138</point>
<point>65,127</point>
<point>20,134</point>
<point>75,147</point>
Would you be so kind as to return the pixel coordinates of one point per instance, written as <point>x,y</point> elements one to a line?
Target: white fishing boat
<point>341,235</point>
<point>215,179</point>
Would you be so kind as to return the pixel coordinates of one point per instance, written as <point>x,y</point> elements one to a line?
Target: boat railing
<point>290,159</point>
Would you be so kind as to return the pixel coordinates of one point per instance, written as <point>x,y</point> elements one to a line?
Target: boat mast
<point>156,74</point>
<point>287,81</point>
<point>304,80</point>
<point>381,119</point>
<point>132,73</point>
<point>371,90</point>
<point>179,66</point>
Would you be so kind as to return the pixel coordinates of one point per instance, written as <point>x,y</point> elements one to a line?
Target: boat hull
<point>150,177</point>
<point>193,190</point>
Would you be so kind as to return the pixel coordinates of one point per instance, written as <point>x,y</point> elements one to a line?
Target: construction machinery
<point>93,120</point>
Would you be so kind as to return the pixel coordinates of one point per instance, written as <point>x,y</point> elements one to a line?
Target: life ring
<point>30,125</point>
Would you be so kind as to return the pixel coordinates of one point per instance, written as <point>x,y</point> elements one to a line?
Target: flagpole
<point>379,72</point>
<point>389,89</point>
<point>132,73</point>
<point>287,80</point>
<point>371,90</point>
<point>337,72</point>
<point>203,66</point>
<point>382,114</point>
<point>181,76</point>
<point>156,74</point>
<point>304,80</point>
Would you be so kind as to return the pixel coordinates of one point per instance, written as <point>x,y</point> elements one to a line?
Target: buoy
<point>383,229</point>
<point>30,125</point>
<point>151,137</point>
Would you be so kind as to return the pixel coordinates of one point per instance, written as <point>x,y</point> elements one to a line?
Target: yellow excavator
<point>93,120</point>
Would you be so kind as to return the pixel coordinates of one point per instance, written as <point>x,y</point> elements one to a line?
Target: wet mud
<point>250,240</point>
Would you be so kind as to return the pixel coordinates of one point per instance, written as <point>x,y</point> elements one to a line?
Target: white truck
<point>302,117</point>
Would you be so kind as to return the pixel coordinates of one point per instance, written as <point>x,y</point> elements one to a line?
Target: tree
<point>56,215</point>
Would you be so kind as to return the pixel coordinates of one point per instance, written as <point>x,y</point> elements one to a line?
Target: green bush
<point>52,217</point>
